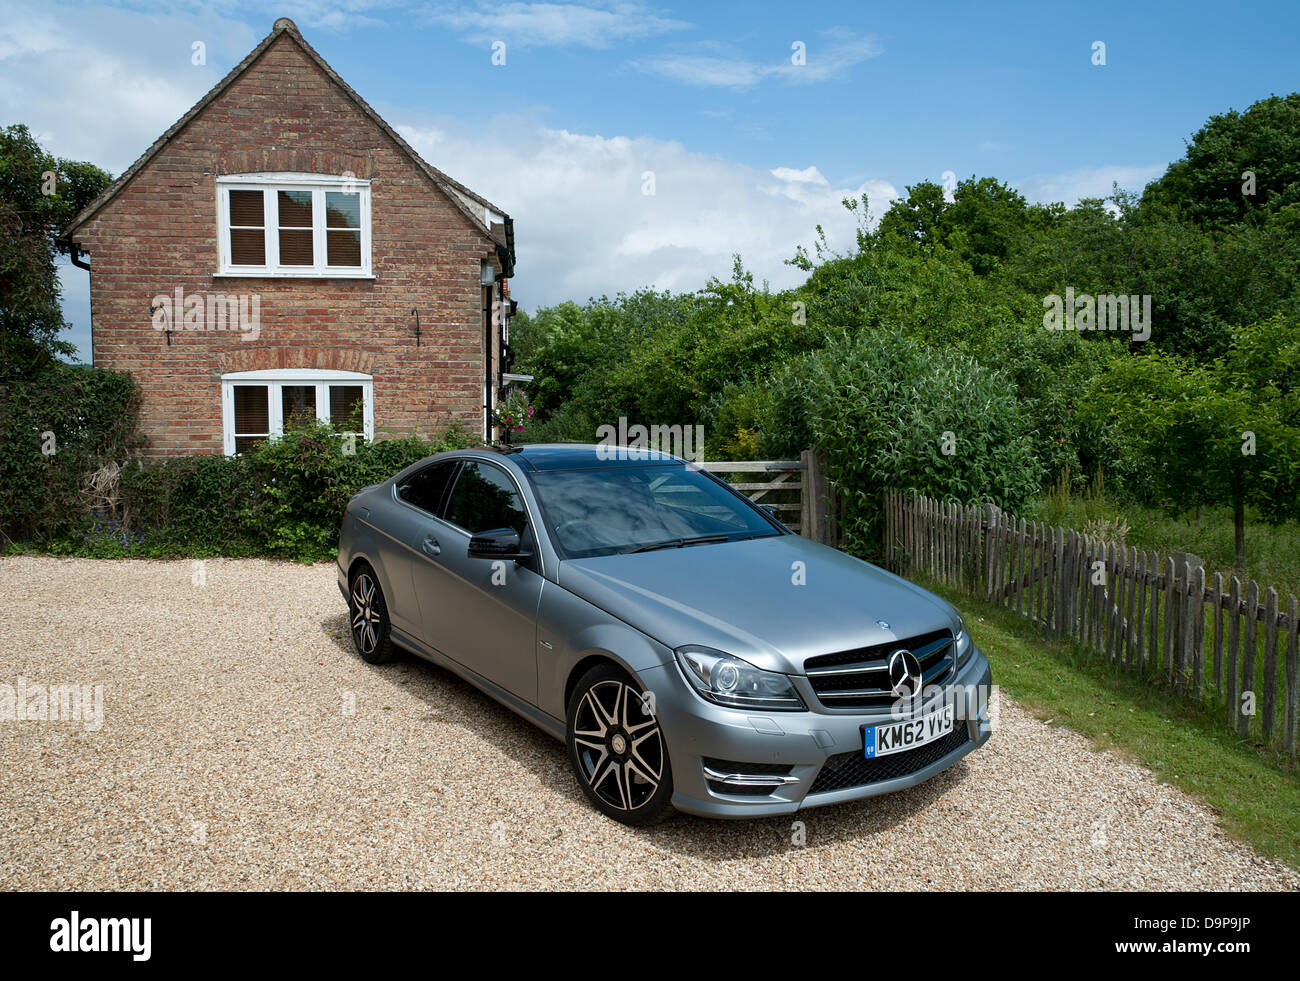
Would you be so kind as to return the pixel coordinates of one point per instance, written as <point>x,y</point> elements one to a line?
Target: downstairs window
<point>260,405</point>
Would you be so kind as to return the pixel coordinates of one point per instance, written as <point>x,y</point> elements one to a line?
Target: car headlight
<point>729,681</point>
<point>965,646</point>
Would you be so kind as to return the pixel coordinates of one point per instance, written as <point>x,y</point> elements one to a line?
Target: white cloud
<point>583,226</point>
<point>712,64</point>
<point>537,24</point>
<point>700,68</point>
<point>1094,182</point>
<point>809,175</point>
<point>819,197</point>
<point>101,84</point>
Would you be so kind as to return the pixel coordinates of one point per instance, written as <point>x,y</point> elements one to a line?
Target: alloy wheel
<point>366,621</point>
<point>619,745</point>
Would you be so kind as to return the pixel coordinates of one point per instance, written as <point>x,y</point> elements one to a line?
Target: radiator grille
<point>859,678</point>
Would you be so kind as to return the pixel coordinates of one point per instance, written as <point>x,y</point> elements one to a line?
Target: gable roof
<point>456,191</point>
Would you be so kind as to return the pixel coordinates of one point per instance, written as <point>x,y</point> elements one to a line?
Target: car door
<point>482,612</point>
<point>419,498</point>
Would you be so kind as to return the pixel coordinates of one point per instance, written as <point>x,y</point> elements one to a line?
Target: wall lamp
<point>166,313</point>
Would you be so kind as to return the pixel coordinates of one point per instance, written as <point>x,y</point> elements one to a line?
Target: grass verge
<point>1255,793</point>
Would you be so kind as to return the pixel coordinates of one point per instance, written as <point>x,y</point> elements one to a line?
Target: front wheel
<point>617,748</point>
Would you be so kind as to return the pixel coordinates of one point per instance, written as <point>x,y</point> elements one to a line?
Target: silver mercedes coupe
<point>691,651</point>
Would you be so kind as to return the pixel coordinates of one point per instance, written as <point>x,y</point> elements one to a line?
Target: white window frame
<point>269,184</point>
<point>274,379</point>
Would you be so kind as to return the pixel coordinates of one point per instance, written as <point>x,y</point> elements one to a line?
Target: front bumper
<point>697,730</point>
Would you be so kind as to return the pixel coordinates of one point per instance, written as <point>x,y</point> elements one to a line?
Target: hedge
<point>94,497</point>
<point>62,423</point>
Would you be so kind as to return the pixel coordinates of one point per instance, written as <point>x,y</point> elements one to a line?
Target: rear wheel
<point>617,748</point>
<point>369,617</point>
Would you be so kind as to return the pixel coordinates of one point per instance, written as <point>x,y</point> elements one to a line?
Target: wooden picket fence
<point>1155,616</point>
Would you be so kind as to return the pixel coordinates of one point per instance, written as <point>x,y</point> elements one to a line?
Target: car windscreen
<point>623,509</point>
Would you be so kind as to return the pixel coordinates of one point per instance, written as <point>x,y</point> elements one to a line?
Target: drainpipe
<point>75,252</point>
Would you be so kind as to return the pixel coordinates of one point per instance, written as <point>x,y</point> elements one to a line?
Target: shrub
<point>183,505</point>
<point>284,498</point>
<point>297,486</point>
<point>880,406</point>
<point>57,426</point>
<point>569,423</point>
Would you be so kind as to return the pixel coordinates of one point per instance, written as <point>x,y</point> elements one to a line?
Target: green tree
<point>1239,166</point>
<point>39,195</point>
<point>917,218</point>
<point>1083,247</point>
<point>985,223</point>
<point>1224,432</point>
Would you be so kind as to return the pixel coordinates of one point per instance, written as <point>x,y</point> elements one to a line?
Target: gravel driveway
<point>245,746</point>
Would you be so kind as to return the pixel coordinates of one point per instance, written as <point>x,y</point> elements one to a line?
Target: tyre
<point>369,618</point>
<point>617,748</point>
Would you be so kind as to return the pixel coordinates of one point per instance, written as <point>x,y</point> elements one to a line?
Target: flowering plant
<point>513,412</point>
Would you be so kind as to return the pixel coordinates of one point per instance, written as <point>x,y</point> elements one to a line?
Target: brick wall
<point>160,233</point>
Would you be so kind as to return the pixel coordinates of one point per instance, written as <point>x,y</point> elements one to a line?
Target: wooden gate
<point>795,489</point>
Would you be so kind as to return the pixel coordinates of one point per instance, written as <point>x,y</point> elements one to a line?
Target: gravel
<point>245,746</point>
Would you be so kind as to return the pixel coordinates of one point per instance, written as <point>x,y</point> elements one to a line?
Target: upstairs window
<point>294,225</point>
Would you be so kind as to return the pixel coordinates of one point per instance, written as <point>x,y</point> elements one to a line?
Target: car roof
<point>585,456</point>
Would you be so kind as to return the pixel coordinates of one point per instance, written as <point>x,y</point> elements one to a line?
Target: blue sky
<point>749,151</point>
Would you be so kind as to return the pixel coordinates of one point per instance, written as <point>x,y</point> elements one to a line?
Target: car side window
<point>485,498</point>
<point>425,488</point>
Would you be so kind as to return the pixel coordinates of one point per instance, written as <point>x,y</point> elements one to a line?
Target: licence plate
<point>897,737</point>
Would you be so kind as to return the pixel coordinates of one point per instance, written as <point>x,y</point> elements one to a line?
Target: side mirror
<point>499,543</point>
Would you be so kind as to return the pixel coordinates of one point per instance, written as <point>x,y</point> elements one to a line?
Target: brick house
<point>281,251</point>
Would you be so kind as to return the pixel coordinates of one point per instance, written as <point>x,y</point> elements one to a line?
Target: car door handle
<point>430,546</point>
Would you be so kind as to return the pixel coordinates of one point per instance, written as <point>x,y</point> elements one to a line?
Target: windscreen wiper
<point>679,543</point>
<point>706,539</point>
